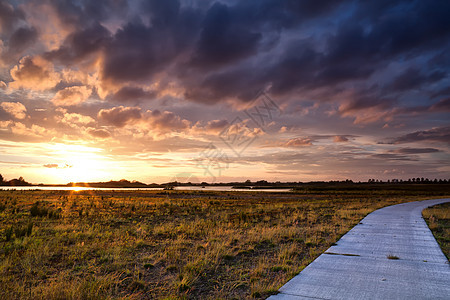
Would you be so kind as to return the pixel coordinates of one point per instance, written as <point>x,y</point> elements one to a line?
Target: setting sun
<point>78,164</point>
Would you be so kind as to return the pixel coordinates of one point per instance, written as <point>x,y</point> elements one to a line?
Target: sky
<point>221,91</point>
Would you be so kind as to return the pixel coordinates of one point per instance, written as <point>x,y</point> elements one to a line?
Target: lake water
<point>179,188</point>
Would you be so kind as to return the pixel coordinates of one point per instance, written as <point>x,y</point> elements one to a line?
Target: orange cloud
<point>99,133</point>
<point>34,73</point>
<point>56,166</point>
<point>119,116</point>
<point>72,119</point>
<point>340,139</point>
<point>16,109</point>
<point>165,121</point>
<point>19,128</point>
<point>72,96</point>
<point>299,142</point>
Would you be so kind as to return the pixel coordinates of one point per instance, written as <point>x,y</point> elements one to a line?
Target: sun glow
<point>80,163</point>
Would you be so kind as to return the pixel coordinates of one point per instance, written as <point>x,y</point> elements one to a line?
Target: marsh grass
<point>171,245</point>
<point>438,220</point>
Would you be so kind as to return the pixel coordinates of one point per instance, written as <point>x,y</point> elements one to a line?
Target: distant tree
<point>1,178</point>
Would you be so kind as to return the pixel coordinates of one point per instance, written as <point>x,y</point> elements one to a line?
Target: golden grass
<point>171,245</point>
<point>438,220</point>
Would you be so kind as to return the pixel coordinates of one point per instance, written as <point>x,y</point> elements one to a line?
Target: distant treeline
<point>246,184</point>
<point>14,182</point>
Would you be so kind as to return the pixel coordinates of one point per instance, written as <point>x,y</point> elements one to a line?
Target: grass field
<point>438,219</point>
<point>175,245</point>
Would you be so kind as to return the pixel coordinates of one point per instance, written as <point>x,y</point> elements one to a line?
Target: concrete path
<point>358,266</point>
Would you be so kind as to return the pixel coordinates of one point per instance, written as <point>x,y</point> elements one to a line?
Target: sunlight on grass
<point>177,245</point>
<point>438,220</point>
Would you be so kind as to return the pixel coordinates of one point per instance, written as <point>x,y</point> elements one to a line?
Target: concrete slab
<point>358,266</point>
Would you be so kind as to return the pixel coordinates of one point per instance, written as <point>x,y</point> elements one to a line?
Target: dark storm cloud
<point>442,92</point>
<point>138,51</point>
<point>362,44</point>
<point>22,38</point>
<point>83,13</point>
<point>132,94</point>
<point>440,134</point>
<point>230,33</point>
<point>391,156</point>
<point>223,39</point>
<point>279,14</point>
<point>105,9</point>
<point>9,16</point>
<point>15,36</point>
<point>403,27</point>
<point>415,150</point>
<point>80,44</point>
<point>442,106</point>
<point>355,51</point>
<point>162,14</point>
<point>233,49</point>
<point>413,78</point>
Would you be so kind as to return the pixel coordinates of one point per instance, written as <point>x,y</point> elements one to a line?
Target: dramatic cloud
<point>224,39</point>
<point>440,134</point>
<point>340,139</point>
<point>216,125</point>
<point>353,80</point>
<point>9,16</point>
<point>119,116</point>
<point>76,119</point>
<point>165,121</point>
<point>299,142</point>
<point>99,133</point>
<point>414,79</point>
<point>81,45</point>
<point>71,96</point>
<point>34,73</point>
<point>132,94</point>
<point>16,109</point>
<point>415,150</point>
<point>442,106</point>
